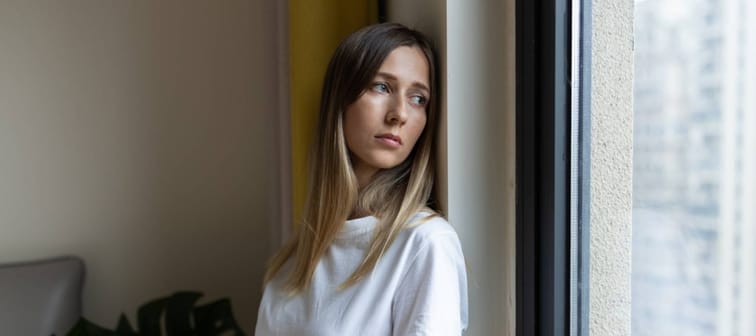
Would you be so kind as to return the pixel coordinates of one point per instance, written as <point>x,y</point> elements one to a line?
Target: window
<point>694,266</point>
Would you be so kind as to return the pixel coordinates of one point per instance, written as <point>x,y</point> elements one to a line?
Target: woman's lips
<point>390,140</point>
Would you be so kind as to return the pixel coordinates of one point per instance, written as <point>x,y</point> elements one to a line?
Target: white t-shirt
<point>418,287</point>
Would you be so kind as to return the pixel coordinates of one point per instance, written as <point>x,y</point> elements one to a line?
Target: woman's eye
<point>380,87</point>
<point>419,100</point>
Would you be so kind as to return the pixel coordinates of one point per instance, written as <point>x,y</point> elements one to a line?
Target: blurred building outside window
<point>694,168</point>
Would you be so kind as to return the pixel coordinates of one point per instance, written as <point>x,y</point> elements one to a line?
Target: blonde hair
<point>393,195</point>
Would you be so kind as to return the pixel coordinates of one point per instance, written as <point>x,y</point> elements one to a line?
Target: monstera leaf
<point>177,313</point>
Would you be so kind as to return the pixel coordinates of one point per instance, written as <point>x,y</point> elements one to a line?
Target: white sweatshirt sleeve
<point>432,297</point>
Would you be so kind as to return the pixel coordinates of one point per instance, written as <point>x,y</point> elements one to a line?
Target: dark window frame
<point>553,111</point>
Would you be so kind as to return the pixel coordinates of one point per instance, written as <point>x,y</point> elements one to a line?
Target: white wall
<point>481,149</point>
<point>611,167</point>
<point>476,39</point>
<point>141,136</point>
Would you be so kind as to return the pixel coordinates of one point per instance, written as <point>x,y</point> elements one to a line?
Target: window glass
<point>694,228</point>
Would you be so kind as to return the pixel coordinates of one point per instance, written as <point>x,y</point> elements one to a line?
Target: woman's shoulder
<point>429,227</point>
<point>431,244</point>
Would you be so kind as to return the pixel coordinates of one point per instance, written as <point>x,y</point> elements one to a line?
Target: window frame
<point>553,48</point>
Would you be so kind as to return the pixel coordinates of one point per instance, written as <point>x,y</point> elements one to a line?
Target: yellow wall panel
<point>315,29</point>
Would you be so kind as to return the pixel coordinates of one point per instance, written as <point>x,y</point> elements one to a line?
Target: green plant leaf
<point>178,314</point>
<point>149,315</point>
<point>216,318</point>
<point>124,327</point>
<point>85,328</point>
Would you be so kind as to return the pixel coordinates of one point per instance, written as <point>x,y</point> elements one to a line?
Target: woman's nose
<point>397,112</point>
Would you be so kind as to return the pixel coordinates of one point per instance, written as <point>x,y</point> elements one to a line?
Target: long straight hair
<point>393,195</point>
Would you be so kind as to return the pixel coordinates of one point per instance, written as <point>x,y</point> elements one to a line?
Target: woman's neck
<point>364,174</point>
<point>358,213</point>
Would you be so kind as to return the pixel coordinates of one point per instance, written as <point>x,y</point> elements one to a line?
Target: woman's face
<point>382,126</point>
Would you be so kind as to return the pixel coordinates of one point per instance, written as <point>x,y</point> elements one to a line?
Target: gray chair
<point>40,297</point>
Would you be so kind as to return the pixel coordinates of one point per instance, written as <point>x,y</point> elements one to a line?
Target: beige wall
<point>141,136</point>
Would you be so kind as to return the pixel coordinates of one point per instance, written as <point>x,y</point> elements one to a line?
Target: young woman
<point>371,257</point>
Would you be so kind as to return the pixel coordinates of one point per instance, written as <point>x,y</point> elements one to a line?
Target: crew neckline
<point>357,227</point>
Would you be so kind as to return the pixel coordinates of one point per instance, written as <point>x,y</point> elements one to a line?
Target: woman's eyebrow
<point>391,77</point>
